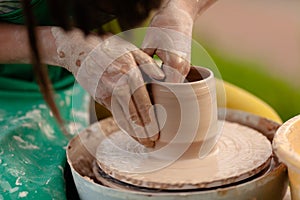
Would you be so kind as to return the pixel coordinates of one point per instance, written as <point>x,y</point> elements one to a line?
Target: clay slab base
<point>240,153</point>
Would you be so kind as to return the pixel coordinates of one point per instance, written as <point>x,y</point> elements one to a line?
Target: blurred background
<point>256,46</point>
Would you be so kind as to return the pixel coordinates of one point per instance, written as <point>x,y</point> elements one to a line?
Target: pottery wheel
<point>240,153</point>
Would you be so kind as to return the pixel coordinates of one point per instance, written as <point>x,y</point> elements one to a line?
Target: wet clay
<point>240,153</point>
<point>186,113</point>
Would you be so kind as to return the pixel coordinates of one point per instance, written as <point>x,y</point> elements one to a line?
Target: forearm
<point>15,46</point>
<point>56,47</point>
<point>193,7</point>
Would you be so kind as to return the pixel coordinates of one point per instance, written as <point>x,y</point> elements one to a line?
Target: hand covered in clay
<point>169,36</point>
<point>109,69</point>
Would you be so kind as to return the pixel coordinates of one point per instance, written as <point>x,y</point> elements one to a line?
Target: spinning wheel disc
<point>240,153</point>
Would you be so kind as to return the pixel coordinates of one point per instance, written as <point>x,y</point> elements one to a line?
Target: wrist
<point>174,16</point>
<point>187,6</point>
<point>192,7</point>
<point>46,45</point>
<point>70,48</point>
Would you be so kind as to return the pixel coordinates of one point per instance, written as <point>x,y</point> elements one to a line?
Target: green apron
<point>32,146</point>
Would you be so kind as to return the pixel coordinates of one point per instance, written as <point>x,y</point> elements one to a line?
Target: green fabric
<point>9,5</point>
<point>20,77</point>
<point>40,10</point>
<point>32,146</point>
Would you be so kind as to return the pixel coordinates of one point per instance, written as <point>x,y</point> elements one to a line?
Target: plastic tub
<point>286,145</point>
<point>270,185</point>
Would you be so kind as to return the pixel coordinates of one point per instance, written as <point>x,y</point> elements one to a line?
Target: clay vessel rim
<point>204,80</point>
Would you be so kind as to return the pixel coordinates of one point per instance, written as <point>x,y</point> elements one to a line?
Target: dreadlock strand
<point>40,70</point>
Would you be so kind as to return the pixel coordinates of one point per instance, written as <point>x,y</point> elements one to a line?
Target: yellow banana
<point>239,99</point>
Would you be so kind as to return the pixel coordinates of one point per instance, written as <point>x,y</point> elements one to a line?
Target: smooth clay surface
<point>240,153</point>
<point>186,112</point>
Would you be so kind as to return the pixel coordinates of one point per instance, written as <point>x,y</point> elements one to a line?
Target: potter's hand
<point>169,36</point>
<point>109,69</point>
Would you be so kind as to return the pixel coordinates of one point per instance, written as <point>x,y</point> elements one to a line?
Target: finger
<point>143,105</point>
<point>113,83</point>
<point>175,67</point>
<point>120,118</point>
<point>131,116</point>
<point>103,95</point>
<point>125,125</point>
<point>116,79</point>
<point>126,117</point>
<point>146,113</point>
<point>138,125</point>
<point>148,65</point>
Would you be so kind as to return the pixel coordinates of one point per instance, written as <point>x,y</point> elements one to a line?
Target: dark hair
<point>87,15</point>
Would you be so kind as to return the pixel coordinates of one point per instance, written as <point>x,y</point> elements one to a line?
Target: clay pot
<point>186,114</point>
